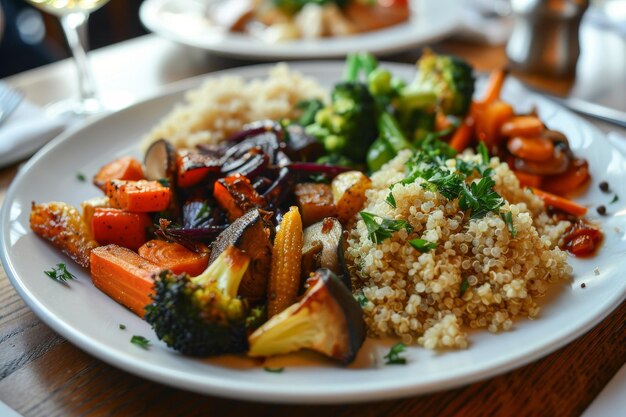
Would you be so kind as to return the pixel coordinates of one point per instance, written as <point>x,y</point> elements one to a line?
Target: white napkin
<point>26,131</point>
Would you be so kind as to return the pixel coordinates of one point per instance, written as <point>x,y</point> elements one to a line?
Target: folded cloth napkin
<point>26,131</point>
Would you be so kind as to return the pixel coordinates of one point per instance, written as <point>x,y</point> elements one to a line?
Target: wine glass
<point>74,15</point>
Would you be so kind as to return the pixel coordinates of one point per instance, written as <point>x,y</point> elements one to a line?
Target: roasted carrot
<point>489,120</point>
<point>175,257</point>
<point>560,203</point>
<point>315,202</point>
<point>124,276</point>
<point>494,86</point>
<point>528,180</point>
<point>522,126</point>
<point>62,225</point>
<point>123,228</point>
<point>284,280</point>
<point>571,180</point>
<point>124,168</point>
<point>138,196</point>
<point>462,135</point>
<point>535,149</point>
<point>89,207</point>
<point>189,170</point>
<point>236,195</point>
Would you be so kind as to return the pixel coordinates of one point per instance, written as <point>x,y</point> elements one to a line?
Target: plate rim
<point>259,393</point>
<point>149,8</point>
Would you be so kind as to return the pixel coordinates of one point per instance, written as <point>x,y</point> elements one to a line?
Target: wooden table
<point>42,374</point>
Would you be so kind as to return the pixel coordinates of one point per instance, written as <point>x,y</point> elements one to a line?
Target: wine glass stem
<point>74,26</point>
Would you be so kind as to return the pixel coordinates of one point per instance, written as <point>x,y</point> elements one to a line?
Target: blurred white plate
<point>89,319</point>
<point>185,21</point>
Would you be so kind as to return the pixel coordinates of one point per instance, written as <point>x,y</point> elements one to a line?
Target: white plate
<point>185,21</point>
<point>89,319</point>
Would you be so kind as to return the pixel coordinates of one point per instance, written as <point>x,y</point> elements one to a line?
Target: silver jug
<point>545,36</point>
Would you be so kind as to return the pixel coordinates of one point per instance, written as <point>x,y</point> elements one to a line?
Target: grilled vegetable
<point>124,168</point>
<point>124,276</point>
<point>349,193</point>
<point>160,161</point>
<point>251,233</point>
<point>88,207</point>
<point>115,226</point>
<point>138,196</point>
<point>236,195</point>
<point>327,320</point>
<point>202,316</point>
<point>323,247</point>
<point>315,202</point>
<point>284,280</point>
<point>62,225</point>
<point>175,257</point>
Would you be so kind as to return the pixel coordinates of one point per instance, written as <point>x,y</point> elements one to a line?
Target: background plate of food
<point>268,30</point>
<point>443,351</point>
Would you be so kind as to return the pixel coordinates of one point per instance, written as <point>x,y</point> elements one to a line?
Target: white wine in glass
<point>74,15</point>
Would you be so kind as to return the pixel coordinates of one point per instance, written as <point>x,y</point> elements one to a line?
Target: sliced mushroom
<point>323,247</point>
<point>160,161</point>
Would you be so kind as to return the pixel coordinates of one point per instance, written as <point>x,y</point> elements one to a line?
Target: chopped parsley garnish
<point>483,152</point>
<point>81,177</point>
<point>422,245</point>
<point>274,370</point>
<point>615,199</point>
<point>140,341</point>
<point>508,220</point>
<point>377,232</point>
<point>361,299</point>
<point>464,287</point>
<point>164,182</point>
<point>122,327</point>
<point>319,178</point>
<point>391,200</point>
<point>480,198</point>
<point>393,357</point>
<point>60,273</point>
<point>203,212</point>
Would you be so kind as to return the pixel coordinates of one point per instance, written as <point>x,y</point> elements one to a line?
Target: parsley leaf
<point>391,200</point>
<point>508,220</point>
<point>164,182</point>
<point>122,327</point>
<point>203,212</point>
<point>615,199</point>
<point>274,370</point>
<point>60,273</point>
<point>483,152</point>
<point>422,245</point>
<point>361,299</point>
<point>140,341</point>
<point>377,232</point>
<point>480,198</point>
<point>464,287</point>
<point>393,357</point>
<point>81,177</point>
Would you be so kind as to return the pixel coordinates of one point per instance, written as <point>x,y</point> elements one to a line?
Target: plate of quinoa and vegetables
<point>365,230</point>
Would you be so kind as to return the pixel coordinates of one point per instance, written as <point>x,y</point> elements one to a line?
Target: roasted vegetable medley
<point>239,246</point>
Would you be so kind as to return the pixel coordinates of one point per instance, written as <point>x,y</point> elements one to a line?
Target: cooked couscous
<point>477,276</point>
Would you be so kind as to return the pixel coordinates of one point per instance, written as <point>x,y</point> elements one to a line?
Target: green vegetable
<point>122,327</point>
<point>60,273</point>
<point>393,357</point>
<point>202,316</point>
<point>508,220</point>
<point>480,198</point>
<point>615,199</point>
<point>274,370</point>
<point>361,299</point>
<point>379,153</point>
<point>391,200</point>
<point>377,232</point>
<point>483,152</point>
<point>309,109</point>
<point>140,341</point>
<point>464,287</point>
<point>422,245</point>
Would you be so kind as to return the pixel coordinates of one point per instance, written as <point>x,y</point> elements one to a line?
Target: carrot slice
<point>522,126</point>
<point>462,136</point>
<point>110,225</point>
<point>175,257</point>
<point>528,180</point>
<point>560,203</point>
<point>124,168</point>
<point>138,196</point>
<point>236,195</point>
<point>124,276</point>
<point>536,149</point>
<point>190,171</point>
<point>576,175</point>
<point>489,119</point>
<point>494,86</point>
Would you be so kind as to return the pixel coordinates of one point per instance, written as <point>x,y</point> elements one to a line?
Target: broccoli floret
<point>347,126</point>
<point>202,316</point>
<point>448,79</point>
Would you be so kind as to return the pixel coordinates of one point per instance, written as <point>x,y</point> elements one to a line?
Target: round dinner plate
<point>186,22</point>
<point>91,320</point>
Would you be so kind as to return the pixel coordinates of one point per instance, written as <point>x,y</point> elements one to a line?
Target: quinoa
<point>222,106</point>
<point>478,276</point>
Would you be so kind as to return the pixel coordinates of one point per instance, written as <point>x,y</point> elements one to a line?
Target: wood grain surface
<point>41,374</point>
